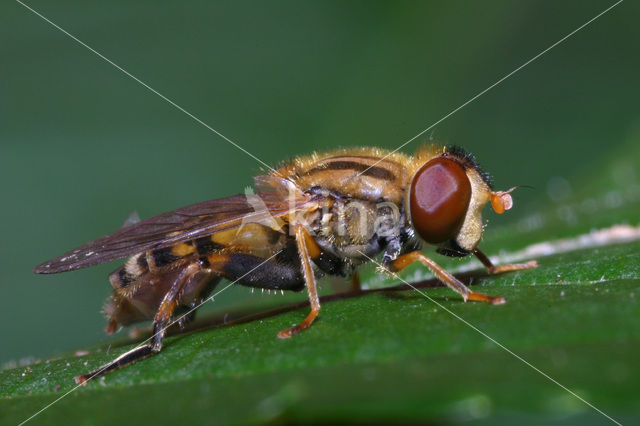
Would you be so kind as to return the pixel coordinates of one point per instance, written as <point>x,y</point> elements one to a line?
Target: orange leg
<point>452,282</point>
<point>355,282</point>
<point>492,269</point>
<point>305,245</point>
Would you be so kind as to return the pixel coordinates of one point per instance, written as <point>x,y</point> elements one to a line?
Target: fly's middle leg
<point>290,273</point>
<point>356,285</point>
<point>307,248</point>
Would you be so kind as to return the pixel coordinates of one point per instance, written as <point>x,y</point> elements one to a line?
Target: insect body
<point>315,215</point>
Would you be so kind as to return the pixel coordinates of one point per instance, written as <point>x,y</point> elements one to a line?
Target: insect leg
<point>492,269</point>
<point>306,247</point>
<point>355,282</point>
<point>163,315</point>
<point>452,282</point>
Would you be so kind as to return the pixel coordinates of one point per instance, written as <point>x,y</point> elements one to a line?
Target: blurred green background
<point>82,144</point>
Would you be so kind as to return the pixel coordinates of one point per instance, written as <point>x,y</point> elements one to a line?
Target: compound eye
<point>438,199</point>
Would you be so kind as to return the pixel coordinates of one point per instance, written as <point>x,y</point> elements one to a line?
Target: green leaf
<point>575,318</point>
<point>392,353</point>
<point>565,346</point>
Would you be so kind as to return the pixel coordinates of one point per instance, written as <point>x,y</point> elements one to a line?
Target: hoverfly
<point>314,215</point>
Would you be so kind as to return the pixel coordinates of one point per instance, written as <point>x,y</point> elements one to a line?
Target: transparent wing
<point>277,197</point>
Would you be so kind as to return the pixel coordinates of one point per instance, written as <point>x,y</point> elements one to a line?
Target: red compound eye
<point>439,197</point>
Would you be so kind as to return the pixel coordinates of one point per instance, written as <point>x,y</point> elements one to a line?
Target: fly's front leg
<point>160,323</point>
<point>307,248</point>
<point>452,282</point>
<point>492,269</point>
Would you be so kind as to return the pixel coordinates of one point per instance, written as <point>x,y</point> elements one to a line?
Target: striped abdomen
<point>251,238</point>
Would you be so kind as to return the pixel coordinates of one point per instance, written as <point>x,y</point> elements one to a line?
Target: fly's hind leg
<point>160,323</point>
<point>452,282</point>
<point>193,295</point>
<point>493,269</point>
